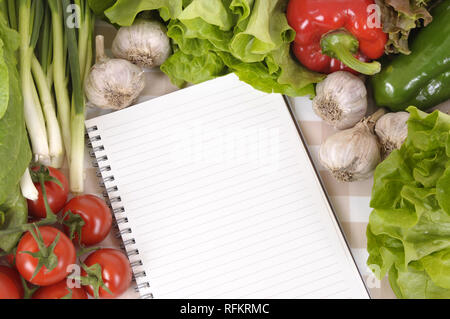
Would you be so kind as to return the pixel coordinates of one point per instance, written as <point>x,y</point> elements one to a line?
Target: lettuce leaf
<point>399,18</point>
<point>124,12</point>
<point>212,38</point>
<point>408,236</point>
<point>15,153</point>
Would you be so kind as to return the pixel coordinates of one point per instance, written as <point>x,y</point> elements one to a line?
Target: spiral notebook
<point>216,196</point>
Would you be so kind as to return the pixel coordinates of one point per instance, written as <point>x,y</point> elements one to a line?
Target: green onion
<point>77,61</point>
<point>56,147</point>
<point>34,117</point>
<point>12,14</point>
<point>59,72</point>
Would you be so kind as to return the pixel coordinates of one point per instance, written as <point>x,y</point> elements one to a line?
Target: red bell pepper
<point>335,35</point>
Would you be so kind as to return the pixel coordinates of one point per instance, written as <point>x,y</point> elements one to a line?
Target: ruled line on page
<point>174,107</point>
<point>152,167</point>
<point>259,271</point>
<point>242,248</point>
<point>130,190</point>
<point>280,253</point>
<point>222,208</point>
<point>203,214</point>
<point>194,117</point>
<point>254,253</point>
<point>199,195</point>
<point>297,276</point>
<point>240,229</point>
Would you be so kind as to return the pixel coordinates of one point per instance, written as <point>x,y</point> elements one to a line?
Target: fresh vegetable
<point>56,194</point>
<point>72,57</point>
<point>341,100</point>
<point>43,256</point>
<point>113,83</point>
<point>353,154</point>
<point>399,18</point>
<point>15,150</point>
<point>95,216</point>
<point>334,35</point>
<point>145,43</point>
<point>423,77</point>
<point>60,291</point>
<point>10,284</point>
<point>392,131</point>
<point>409,229</point>
<point>34,116</point>
<point>106,273</point>
<point>41,120</point>
<point>16,215</point>
<point>212,38</point>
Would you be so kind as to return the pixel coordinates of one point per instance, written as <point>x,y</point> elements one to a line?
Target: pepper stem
<point>341,45</point>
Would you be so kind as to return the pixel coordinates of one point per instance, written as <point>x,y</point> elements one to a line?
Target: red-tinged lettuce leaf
<point>399,17</point>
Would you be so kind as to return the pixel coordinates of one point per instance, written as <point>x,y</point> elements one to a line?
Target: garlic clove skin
<point>145,43</point>
<point>114,84</point>
<point>392,131</point>
<point>351,155</point>
<point>341,100</point>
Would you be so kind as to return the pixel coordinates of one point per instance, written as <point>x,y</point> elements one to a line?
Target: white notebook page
<point>221,198</point>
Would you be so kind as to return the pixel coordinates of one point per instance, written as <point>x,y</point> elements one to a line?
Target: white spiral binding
<point>112,193</point>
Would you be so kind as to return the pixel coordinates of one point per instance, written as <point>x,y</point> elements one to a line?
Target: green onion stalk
<point>80,60</point>
<point>4,10</point>
<point>78,39</point>
<point>29,18</point>
<point>59,69</point>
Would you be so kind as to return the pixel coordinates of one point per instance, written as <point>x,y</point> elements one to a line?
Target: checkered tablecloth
<point>351,200</point>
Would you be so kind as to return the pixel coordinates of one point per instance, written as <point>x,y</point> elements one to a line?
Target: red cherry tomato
<point>56,196</point>
<point>96,215</point>
<point>116,272</point>
<point>10,284</point>
<point>27,264</point>
<point>58,291</point>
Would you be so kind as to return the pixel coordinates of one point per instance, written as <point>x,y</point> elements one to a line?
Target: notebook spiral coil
<point>112,195</point>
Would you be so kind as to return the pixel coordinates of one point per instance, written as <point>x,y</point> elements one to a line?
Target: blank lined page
<point>221,199</point>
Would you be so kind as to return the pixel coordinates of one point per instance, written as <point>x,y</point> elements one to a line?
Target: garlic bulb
<point>145,43</point>
<point>113,83</point>
<point>353,154</point>
<point>392,131</point>
<point>341,100</point>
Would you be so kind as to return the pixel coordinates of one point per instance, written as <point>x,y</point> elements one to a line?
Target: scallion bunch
<point>55,55</point>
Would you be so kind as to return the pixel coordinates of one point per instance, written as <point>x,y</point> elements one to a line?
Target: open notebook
<point>216,197</point>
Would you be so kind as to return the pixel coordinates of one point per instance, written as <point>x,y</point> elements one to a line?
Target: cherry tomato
<point>27,264</point>
<point>56,196</point>
<point>96,215</point>
<point>116,272</point>
<point>10,284</point>
<point>58,291</point>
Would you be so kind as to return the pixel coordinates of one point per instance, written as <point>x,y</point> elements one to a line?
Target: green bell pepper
<point>422,78</point>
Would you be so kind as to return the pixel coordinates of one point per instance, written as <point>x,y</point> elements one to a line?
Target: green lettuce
<point>212,38</point>
<point>15,153</point>
<point>408,236</point>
